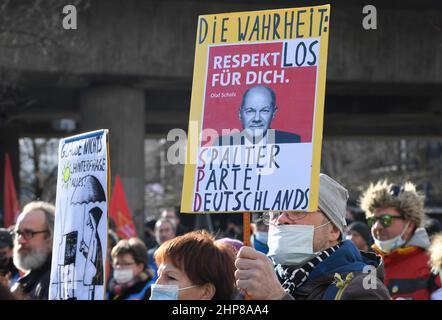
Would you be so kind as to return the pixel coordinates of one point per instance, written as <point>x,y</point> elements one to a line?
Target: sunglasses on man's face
<point>386,220</point>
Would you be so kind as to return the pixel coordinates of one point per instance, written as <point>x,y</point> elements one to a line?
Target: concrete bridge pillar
<point>121,110</point>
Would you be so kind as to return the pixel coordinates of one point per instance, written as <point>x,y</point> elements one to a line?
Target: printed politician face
<point>257,110</point>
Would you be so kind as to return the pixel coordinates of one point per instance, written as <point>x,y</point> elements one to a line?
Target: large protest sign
<point>256,119</point>
<point>81,218</point>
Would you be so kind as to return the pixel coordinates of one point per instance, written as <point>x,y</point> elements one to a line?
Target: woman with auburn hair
<point>194,267</point>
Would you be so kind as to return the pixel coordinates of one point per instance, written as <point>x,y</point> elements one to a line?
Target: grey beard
<point>30,261</point>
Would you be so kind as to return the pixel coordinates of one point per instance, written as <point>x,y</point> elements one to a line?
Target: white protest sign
<point>81,218</point>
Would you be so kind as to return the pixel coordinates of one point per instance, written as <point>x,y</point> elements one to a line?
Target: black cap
<point>6,238</point>
<point>363,230</point>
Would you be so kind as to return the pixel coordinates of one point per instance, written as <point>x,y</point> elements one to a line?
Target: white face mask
<point>166,291</point>
<point>292,244</point>
<point>391,244</point>
<point>123,275</point>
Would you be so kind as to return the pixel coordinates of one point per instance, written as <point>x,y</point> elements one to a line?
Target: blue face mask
<point>262,236</point>
<point>166,291</point>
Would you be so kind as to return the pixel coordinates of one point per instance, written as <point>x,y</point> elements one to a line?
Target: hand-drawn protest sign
<point>256,118</point>
<point>81,218</point>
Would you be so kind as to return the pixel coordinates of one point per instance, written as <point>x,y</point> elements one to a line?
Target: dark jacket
<point>35,285</point>
<point>349,263</point>
<point>11,271</point>
<point>139,289</point>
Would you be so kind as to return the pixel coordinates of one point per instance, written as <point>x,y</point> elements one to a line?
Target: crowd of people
<point>393,252</point>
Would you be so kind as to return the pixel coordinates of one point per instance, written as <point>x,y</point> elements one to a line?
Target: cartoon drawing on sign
<point>66,266</point>
<point>80,229</point>
<point>258,109</point>
<point>67,252</point>
<point>91,191</point>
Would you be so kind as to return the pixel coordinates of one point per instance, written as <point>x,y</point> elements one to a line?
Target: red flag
<point>120,212</point>
<point>11,205</point>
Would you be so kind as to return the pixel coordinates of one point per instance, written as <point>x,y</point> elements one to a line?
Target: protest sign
<point>81,218</point>
<point>256,118</point>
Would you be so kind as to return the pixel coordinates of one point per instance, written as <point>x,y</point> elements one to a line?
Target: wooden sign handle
<point>246,229</point>
<point>246,238</point>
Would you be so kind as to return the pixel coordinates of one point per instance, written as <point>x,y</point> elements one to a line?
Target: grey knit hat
<point>333,202</point>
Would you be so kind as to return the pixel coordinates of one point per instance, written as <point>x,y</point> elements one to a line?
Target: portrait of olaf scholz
<point>257,111</point>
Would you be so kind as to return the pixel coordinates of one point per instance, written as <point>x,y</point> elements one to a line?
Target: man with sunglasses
<point>33,250</point>
<point>395,215</point>
<point>309,256</point>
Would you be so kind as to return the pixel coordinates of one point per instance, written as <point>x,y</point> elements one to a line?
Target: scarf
<point>291,278</point>
<point>120,289</point>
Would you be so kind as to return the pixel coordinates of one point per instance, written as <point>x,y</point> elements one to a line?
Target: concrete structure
<point>121,110</point>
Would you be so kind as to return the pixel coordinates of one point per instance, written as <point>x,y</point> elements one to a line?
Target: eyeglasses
<point>28,234</point>
<point>386,220</point>
<point>122,264</point>
<point>271,217</point>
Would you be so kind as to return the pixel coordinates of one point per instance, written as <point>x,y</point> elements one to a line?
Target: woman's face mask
<point>123,275</point>
<point>166,291</point>
<point>292,244</point>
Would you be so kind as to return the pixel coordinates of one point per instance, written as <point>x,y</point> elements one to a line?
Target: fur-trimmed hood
<point>436,254</point>
<point>419,239</point>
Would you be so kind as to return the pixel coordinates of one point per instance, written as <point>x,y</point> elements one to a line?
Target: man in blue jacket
<point>311,260</point>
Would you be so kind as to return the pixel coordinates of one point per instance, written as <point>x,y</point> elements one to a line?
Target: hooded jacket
<point>348,274</point>
<point>407,269</point>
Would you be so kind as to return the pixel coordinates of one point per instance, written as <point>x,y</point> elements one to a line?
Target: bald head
<point>258,108</point>
<point>41,207</point>
<point>259,92</point>
<point>35,218</point>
